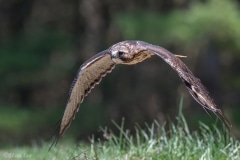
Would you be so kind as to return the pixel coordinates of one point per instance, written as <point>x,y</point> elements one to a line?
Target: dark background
<point>44,42</point>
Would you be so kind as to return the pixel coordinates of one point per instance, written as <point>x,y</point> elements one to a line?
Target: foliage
<point>153,142</point>
<point>27,61</point>
<point>42,44</point>
<point>214,19</point>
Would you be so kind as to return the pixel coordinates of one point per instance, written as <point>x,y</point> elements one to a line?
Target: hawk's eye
<point>120,53</point>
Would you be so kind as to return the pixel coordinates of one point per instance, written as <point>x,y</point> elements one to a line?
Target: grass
<point>153,143</point>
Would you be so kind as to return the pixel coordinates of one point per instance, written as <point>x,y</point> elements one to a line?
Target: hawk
<point>130,52</point>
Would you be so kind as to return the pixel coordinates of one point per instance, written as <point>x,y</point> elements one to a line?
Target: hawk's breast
<point>138,57</point>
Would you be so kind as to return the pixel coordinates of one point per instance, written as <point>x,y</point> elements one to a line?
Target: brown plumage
<point>130,52</point>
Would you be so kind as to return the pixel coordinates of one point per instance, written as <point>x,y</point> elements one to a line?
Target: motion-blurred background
<point>44,42</point>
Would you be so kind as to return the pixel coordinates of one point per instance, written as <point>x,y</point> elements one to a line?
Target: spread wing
<point>89,74</point>
<point>193,84</point>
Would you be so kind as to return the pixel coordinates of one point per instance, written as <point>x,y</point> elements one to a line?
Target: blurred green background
<point>44,42</point>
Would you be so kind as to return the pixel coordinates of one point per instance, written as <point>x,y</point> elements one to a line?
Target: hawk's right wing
<point>89,74</point>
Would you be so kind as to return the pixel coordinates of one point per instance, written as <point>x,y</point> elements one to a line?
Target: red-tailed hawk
<point>130,52</point>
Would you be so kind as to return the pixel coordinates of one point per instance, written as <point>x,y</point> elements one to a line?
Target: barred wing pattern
<point>90,74</point>
<point>193,84</point>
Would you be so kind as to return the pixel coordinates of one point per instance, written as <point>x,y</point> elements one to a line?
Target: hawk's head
<point>129,52</point>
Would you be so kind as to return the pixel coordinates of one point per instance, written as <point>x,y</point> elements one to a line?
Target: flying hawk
<point>129,53</point>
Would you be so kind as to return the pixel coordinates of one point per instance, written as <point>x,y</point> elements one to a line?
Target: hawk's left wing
<point>193,84</point>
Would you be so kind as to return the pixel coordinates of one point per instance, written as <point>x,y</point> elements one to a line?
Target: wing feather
<point>193,84</point>
<point>89,74</point>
